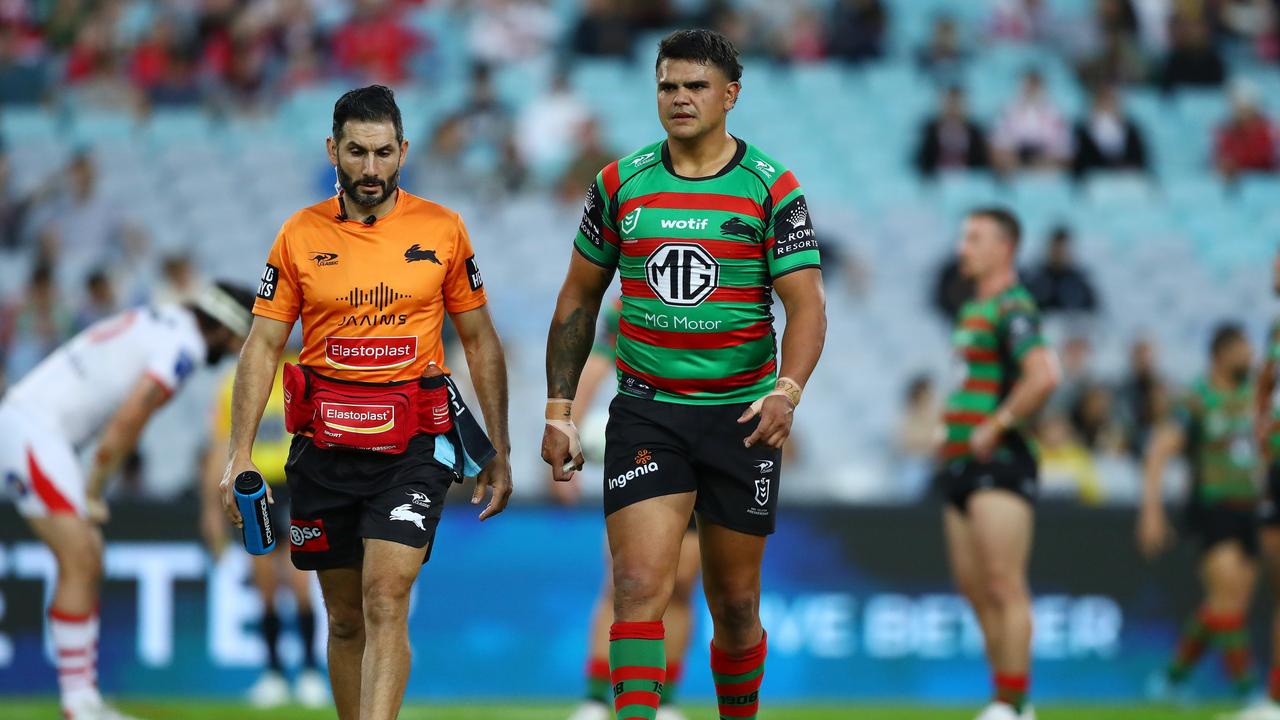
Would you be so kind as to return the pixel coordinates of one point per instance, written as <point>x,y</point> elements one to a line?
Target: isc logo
<point>682,274</point>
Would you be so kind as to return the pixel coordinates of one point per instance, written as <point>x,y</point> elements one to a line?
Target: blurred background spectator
<point>917,437</point>
<point>944,56</point>
<point>1193,59</point>
<point>1032,133</point>
<point>1058,283</point>
<point>1246,141</point>
<point>1107,139</point>
<point>855,30</point>
<point>951,140</point>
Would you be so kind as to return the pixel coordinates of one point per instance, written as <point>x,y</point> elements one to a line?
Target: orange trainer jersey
<point>372,298</point>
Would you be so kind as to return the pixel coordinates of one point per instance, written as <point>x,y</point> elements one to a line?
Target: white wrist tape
<point>575,443</point>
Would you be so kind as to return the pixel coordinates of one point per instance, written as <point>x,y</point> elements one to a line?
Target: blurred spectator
<point>95,71</point>
<point>1118,60</point>
<point>1067,469</point>
<point>602,30</point>
<point>1246,142</point>
<point>803,39</point>
<point>855,31</point>
<point>950,289</point>
<point>1058,283</point>
<point>1139,396</point>
<point>34,324</point>
<point>1032,133</point>
<point>374,44</point>
<point>1092,414</point>
<point>917,437</point>
<point>99,301</point>
<point>296,37</point>
<point>1108,139</point>
<point>1246,19</point>
<point>161,65</point>
<point>590,156</point>
<point>473,149</point>
<point>1118,16</point>
<point>79,226</point>
<point>951,140</point>
<point>1022,21</point>
<point>1077,375</point>
<point>503,31</point>
<point>13,208</point>
<point>1192,60</point>
<point>24,70</point>
<point>548,125</point>
<point>742,28</point>
<point>178,283</point>
<point>943,57</point>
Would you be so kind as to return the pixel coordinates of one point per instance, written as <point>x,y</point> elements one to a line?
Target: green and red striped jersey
<point>697,259</point>
<point>990,341</point>
<point>1218,437</point>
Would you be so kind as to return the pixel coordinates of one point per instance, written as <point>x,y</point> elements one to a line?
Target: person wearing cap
<point>99,389</point>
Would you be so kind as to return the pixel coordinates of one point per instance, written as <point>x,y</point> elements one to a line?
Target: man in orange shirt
<point>371,273</point>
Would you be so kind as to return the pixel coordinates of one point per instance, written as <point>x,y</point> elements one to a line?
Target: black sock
<point>271,636</point>
<point>307,632</point>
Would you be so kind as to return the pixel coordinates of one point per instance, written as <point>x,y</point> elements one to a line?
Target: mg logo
<point>682,274</point>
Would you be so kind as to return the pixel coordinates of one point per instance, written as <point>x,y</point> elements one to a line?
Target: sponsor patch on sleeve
<point>267,284</point>
<point>793,229</point>
<point>473,274</point>
<point>592,217</point>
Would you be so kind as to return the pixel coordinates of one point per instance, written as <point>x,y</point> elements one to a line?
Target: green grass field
<point>11,709</point>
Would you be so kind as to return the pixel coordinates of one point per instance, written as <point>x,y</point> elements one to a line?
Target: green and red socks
<point>638,667</point>
<point>599,687</point>
<point>1011,690</point>
<point>737,678</point>
<point>1224,631</point>
<point>1191,646</point>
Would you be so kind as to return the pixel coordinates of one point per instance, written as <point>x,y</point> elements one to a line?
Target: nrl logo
<point>798,216</point>
<point>642,160</point>
<point>631,220</point>
<point>765,167</point>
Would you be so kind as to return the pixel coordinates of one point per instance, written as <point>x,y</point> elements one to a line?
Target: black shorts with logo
<point>657,448</point>
<point>1012,467</point>
<point>1269,512</point>
<point>342,497</point>
<point>1215,524</point>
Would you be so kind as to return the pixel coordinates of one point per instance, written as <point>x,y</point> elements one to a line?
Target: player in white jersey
<point>102,385</point>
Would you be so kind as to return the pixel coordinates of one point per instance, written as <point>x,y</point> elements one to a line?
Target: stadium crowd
<point>86,255</point>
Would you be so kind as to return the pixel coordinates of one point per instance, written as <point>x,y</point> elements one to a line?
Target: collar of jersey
<point>737,158</point>
<point>359,222</point>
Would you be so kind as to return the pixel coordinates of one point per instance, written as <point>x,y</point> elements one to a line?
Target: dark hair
<point>706,47</point>
<point>1004,219</point>
<point>918,386</point>
<point>375,103</point>
<point>1223,335</point>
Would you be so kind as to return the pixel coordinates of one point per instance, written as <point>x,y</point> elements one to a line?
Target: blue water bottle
<point>251,498</point>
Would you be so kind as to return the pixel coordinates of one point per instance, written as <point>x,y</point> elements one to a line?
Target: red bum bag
<point>377,417</point>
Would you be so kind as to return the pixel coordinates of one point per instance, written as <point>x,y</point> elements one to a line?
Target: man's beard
<point>351,189</point>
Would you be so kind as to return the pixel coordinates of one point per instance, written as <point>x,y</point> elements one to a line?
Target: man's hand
<point>213,527</point>
<point>496,476</point>
<point>97,510</point>
<point>776,413</point>
<point>984,439</point>
<point>565,493</point>
<point>236,466</point>
<point>1153,532</point>
<point>562,450</point>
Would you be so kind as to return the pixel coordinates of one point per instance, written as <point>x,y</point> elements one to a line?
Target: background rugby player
<point>101,387</point>
<point>988,470</point>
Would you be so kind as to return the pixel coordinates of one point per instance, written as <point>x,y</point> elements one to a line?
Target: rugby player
<point>704,228</point>
<point>678,619</point>
<point>270,451</point>
<point>378,440</point>
<point>1212,425</point>
<point>101,387</point>
<point>988,470</point>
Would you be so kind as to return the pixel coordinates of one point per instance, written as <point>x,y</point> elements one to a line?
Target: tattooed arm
<point>568,344</point>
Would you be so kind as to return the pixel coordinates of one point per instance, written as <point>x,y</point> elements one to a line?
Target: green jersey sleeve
<point>791,243</point>
<point>597,238</point>
<point>1019,330</point>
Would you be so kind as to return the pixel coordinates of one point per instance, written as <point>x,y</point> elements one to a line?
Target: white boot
<point>998,711</point>
<point>270,691</point>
